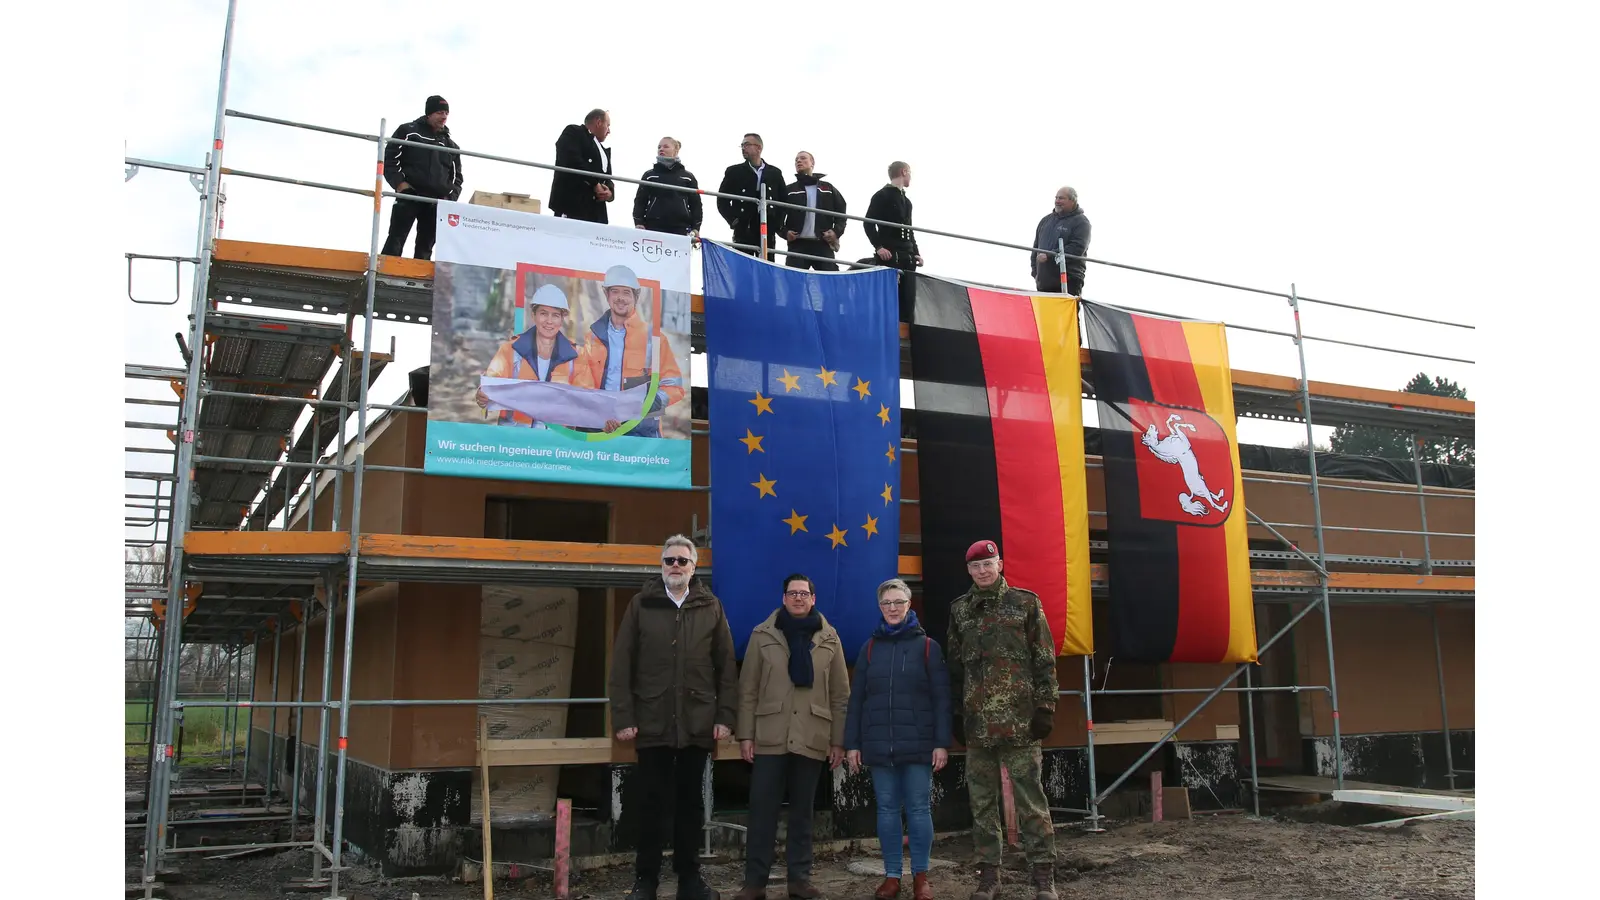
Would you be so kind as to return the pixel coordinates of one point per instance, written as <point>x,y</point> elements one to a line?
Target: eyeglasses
<point>888,604</point>
<point>676,561</point>
<point>797,595</point>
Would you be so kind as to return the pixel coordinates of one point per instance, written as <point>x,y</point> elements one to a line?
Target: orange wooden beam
<point>266,543</point>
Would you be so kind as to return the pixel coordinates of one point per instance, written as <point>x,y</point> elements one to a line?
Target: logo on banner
<point>1185,465</point>
<point>455,219</point>
<point>651,249</point>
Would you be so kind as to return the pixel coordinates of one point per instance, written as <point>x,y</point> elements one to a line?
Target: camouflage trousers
<point>1024,764</point>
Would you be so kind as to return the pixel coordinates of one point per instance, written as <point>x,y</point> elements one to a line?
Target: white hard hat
<point>620,276</point>
<point>549,295</point>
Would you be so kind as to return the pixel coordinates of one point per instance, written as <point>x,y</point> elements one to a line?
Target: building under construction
<point>370,607</point>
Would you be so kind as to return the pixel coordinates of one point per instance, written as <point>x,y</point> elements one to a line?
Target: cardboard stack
<point>506,200</point>
<point>524,651</point>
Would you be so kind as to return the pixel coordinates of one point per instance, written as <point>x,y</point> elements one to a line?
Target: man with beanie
<point>896,247</point>
<point>1066,224</point>
<point>814,230</point>
<point>581,147</point>
<point>668,211</point>
<point>673,688</point>
<point>421,172</point>
<point>745,179</point>
<point>1003,678</point>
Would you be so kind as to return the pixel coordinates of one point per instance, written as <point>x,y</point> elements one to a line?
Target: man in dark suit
<point>580,147</point>
<point>745,179</point>
<point>896,247</point>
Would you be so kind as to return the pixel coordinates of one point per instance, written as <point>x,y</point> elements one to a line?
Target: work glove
<point>1044,721</point>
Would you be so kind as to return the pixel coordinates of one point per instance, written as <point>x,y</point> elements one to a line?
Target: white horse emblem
<point>1175,449</point>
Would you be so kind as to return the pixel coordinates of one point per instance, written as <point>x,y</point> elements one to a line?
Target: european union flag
<point>805,437</point>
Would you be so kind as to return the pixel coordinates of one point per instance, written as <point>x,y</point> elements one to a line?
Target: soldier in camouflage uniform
<point>1003,668</point>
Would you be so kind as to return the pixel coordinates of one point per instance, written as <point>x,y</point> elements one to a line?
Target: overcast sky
<point>1263,146</point>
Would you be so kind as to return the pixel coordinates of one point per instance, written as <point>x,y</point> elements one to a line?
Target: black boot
<point>693,887</point>
<point>643,889</point>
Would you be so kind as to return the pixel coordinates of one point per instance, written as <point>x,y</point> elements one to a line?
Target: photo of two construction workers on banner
<point>618,353</point>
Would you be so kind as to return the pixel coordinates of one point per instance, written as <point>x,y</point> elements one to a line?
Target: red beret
<point>982,550</point>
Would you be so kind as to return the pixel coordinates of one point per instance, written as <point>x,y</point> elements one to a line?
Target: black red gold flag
<point>1179,560</point>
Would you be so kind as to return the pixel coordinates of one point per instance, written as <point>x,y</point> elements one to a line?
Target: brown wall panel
<point>1221,711</point>
<point>1388,681</point>
<point>435,653</point>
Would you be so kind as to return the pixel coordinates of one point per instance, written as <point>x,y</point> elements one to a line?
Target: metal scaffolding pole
<point>1250,735</point>
<point>357,479</point>
<point>330,604</point>
<point>161,764</point>
<point>1444,704</point>
<point>298,725</point>
<point>1322,559</point>
<point>1088,720</point>
<point>1422,504</point>
<point>270,776</point>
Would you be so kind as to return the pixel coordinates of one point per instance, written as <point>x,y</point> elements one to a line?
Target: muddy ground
<point>1220,857</point>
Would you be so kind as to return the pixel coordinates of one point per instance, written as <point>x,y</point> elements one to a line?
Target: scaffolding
<point>249,381</point>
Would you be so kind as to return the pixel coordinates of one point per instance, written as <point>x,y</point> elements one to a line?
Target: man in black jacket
<point>420,172</point>
<point>659,209</point>
<point>815,230</point>
<point>579,147</point>
<point>896,247</point>
<point>744,179</point>
<point>1065,224</point>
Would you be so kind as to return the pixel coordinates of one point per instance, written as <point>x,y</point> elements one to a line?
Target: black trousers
<point>906,261</point>
<point>1047,280</point>
<point>670,781</point>
<point>811,247</point>
<point>751,236</point>
<point>406,212</point>
<point>773,776</point>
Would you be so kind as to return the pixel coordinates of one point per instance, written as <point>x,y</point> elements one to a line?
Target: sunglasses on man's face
<point>676,560</point>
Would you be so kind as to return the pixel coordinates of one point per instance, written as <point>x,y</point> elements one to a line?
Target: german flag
<point>1179,560</point>
<point>999,425</point>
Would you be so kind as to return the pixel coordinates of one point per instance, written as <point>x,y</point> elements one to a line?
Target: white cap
<point>549,295</point>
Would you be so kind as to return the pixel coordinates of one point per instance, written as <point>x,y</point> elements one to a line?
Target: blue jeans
<point>904,787</point>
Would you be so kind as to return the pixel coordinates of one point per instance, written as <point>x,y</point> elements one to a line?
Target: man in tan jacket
<point>793,696</point>
<point>673,679</point>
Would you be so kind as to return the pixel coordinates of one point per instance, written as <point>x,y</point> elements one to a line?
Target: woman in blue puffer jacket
<point>899,726</point>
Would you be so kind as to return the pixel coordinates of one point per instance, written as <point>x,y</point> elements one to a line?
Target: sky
<point>1245,147</point>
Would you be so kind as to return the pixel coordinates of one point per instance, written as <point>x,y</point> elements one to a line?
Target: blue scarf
<point>908,625</point>
<point>799,632</point>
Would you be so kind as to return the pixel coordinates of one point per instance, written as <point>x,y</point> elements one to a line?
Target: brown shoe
<point>802,890</point>
<point>920,890</point>
<point>1044,877</point>
<point>889,890</point>
<point>752,892</point>
<point>988,882</point>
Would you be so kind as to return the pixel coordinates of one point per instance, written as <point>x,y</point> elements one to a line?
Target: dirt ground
<point>1220,857</point>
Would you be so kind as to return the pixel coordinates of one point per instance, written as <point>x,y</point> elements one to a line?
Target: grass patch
<point>205,729</point>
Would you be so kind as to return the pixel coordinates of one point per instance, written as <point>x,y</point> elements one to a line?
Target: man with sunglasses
<point>1003,684</point>
<point>674,692</point>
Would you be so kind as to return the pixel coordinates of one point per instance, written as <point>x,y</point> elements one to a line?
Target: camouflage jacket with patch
<point>1002,663</point>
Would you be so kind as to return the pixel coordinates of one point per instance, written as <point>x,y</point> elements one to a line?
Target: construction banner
<point>1179,560</point>
<point>560,351</point>
<point>1000,448</point>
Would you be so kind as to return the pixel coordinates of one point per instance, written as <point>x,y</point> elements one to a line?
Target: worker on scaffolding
<point>540,353</point>
<point>1067,226</point>
<point>814,230</point>
<point>420,172</point>
<point>1002,664</point>
<point>621,352</point>
<point>745,179</point>
<point>581,147</point>
<point>667,211</point>
<point>896,247</point>
<point>674,694</point>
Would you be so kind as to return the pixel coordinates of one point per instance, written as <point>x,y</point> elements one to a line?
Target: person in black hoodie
<point>671,212</point>
<point>579,147</point>
<point>420,172</point>
<point>814,231</point>
<point>745,179</point>
<point>896,247</point>
<point>1066,224</point>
